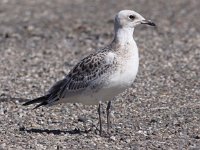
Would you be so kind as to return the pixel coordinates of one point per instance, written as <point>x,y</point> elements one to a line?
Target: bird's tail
<point>42,100</point>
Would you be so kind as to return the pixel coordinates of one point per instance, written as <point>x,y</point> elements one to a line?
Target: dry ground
<point>40,41</point>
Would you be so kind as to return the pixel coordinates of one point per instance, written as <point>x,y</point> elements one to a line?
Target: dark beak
<point>148,22</point>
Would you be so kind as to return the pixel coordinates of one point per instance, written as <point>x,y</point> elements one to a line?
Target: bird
<point>103,74</point>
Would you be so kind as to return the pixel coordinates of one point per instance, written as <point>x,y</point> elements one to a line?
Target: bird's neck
<point>124,35</point>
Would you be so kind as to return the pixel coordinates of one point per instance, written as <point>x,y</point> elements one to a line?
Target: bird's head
<point>130,19</point>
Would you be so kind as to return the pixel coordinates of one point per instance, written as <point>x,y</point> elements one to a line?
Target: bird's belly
<point>103,94</point>
<point>92,97</point>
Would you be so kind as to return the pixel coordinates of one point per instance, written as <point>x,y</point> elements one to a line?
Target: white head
<point>130,19</point>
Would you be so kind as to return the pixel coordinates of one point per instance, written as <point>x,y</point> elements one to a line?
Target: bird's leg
<point>108,116</point>
<point>100,123</point>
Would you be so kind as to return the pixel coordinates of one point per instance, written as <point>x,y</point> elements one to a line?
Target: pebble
<point>113,138</point>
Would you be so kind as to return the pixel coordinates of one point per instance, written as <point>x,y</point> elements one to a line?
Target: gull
<point>102,75</point>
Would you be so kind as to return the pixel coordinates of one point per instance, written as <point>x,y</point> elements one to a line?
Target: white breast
<point>128,68</point>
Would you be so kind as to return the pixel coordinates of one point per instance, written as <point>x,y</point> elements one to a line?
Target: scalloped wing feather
<point>91,68</point>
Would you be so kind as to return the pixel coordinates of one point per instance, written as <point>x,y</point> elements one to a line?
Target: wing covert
<point>92,67</point>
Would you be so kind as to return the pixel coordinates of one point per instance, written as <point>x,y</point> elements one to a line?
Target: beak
<point>148,22</point>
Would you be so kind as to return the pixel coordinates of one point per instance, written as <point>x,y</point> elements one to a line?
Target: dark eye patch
<point>132,17</point>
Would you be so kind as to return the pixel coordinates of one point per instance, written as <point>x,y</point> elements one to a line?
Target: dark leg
<point>108,116</point>
<point>99,112</point>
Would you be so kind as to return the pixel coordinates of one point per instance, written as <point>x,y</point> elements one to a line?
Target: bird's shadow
<point>55,132</point>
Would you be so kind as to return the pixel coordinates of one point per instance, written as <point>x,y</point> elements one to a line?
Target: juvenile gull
<point>102,75</point>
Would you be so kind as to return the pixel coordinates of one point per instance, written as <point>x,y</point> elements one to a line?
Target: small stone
<point>30,28</point>
<point>82,119</point>
<point>3,146</point>
<point>113,138</point>
<point>128,140</point>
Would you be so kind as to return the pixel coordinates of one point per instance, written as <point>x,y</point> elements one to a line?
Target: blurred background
<point>40,41</point>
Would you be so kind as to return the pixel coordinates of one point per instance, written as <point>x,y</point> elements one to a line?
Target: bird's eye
<point>132,17</point>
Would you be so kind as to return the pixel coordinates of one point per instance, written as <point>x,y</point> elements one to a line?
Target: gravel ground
<point>41,40</point>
